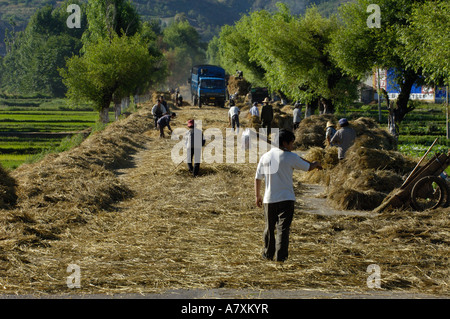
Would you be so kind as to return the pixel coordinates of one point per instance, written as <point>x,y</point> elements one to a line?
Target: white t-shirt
<point>234,110</point>
<point>276,167</point>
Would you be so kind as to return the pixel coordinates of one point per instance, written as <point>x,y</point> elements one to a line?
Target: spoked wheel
<point>429,192</point>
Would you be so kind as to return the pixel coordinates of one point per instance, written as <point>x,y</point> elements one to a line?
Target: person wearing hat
<point>266,116</point>
<point>344,138</point>
<point>163,122</point>
<point>297,115</point>
<point>194,142</point>
<point>329,133</point>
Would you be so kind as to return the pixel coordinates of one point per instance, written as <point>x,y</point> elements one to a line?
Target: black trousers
<point>278,217</point>
<point>235,122</point>
<point>193,160</point>
<point>267,125</point>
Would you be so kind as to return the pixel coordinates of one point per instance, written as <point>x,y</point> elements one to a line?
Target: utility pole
<point>379,95</point>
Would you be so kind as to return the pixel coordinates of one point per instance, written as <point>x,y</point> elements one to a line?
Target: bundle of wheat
<point>238,85</point>
<point>370,171</point>
<point>311,131</point>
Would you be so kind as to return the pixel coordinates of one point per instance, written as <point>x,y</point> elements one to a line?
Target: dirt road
<point>183,237</point>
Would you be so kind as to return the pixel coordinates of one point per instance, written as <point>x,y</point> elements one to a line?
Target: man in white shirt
<point>233,117</point>
<point>276,167</point>
<point>297,115</point>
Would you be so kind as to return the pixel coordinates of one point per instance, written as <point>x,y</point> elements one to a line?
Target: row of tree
<point>111,55</point>
<point>314,58</point>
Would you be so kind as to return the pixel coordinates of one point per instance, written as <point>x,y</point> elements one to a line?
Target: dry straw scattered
<point>141,224</point>
<point>370,171</point>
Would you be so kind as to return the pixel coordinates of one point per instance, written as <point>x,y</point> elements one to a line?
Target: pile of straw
<point>70,187</point>
<point>8,195</point>
<point>311,131</point>
<point>282,119</point>
<point>241,86</point>
<point>180,232</point>
<point>156,95</point>
<point>370,171</point>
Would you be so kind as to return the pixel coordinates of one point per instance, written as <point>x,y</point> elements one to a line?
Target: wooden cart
<point>424,188</point>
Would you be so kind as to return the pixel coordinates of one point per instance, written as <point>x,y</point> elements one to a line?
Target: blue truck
<point>208,85</point>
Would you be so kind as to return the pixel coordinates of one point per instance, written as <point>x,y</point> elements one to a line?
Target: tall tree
<point>427,41</point>
<point>295,54</point>
<point>359,47</point>
<point>111,67</point>
<point>234,52</point>
<point>33,58</point>
<point>107,18</point>
<point>289,54</point>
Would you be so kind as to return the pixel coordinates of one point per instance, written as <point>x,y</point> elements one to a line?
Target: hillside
<point>206,15</point>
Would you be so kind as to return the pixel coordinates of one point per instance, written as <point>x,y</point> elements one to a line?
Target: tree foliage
<point>110,68</point>
<point>35,54</point>
<point>358,49</point>
<point>110,17</point>
<point>288,53</point>
<point>427,42</point>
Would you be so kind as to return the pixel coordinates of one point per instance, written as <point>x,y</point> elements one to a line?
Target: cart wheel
<point>429,192</point>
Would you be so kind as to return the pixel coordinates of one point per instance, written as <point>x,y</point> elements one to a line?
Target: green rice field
<point>33,126</point>
<point>418,130</point>
<point>30,126</point>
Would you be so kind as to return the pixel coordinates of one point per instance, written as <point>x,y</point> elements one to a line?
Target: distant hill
<point>206,15</point>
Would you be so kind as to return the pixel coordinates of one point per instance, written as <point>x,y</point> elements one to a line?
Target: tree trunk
<point>311,107</point>
<point>328,106</point>
<point>104,115</point>
<point>402,102</point>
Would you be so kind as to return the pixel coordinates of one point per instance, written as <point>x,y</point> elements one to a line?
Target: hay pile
<point>241,86</point>
<point>69,188</point>
<point>156,94</point>
<point>311,131</point>
<point>180,232</point>
<point>282,118</point>
<point>370,171</point>
<point>8,195</point>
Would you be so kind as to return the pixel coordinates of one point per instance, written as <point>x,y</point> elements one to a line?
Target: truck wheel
<point>429,192</point>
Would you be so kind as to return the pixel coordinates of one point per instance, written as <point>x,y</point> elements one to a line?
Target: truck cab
<point>208,85</point>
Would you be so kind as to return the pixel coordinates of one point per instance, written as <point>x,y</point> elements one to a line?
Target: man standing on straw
<point>343,138</point>
<point>276,167</point>
<point>233,117</point>
<point>158,110</point>
<point>194,142</point>
<point>266,116</point>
